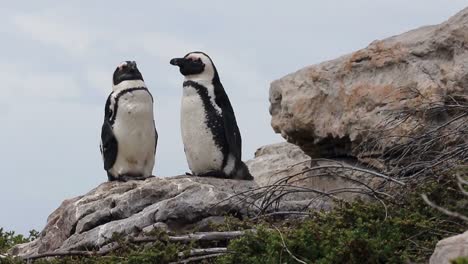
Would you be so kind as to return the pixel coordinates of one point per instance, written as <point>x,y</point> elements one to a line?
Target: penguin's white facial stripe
<point>202,57</point>
<point>121,65</point>
<point>208,72</point>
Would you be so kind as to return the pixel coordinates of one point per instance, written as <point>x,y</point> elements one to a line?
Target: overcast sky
<point>57,60</point>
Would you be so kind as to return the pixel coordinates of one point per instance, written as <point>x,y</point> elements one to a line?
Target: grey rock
<point>328,109</point>
<point>450,248</point>
<point>156,226</point>
<point>275,161</point>
<point>129,208</point>
<point>206,224</point>
<point>323,178</point>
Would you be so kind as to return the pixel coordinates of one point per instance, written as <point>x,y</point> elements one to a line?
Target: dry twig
<point>287,249</point>
<point>193,259</point>
<point>201,236</point>
<point>443,210</point>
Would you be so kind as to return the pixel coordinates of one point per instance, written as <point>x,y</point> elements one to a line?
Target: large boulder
<point>275,161</point>
<point>284,168</point>
<point>128,208</point>
<point>328,109</point>
<point>450,248</point>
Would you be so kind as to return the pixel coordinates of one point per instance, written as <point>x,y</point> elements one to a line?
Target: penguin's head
<point>196,65</point>
<point>126,71</point>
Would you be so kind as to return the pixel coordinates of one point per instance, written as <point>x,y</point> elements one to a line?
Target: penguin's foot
<point>131,177</point>
<point>215,174</point>
<point>243,173</point>
<point>188,174</point>
<point>110,177</point>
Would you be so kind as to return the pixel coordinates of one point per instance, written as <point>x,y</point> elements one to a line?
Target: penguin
<point>211,137</point>
<point>128,136</point>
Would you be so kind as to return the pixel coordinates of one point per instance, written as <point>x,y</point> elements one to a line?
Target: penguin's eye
<point>197,61</point>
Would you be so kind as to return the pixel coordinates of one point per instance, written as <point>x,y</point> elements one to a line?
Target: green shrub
<point>461,260</point>
<point>9,239</point>
<point>357,232</point>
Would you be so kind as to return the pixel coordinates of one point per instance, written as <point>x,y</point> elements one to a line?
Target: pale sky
<point>57,60</point>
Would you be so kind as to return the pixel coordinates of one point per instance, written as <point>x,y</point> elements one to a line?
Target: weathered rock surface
<point>272,162</point>
<point>450,248</point>
<point>128,208</point>
<point>328,109</point>
<point>275,163</point>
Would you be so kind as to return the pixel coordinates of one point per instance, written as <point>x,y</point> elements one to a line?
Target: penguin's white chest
<point>203,155</point>
<point>135,133</point>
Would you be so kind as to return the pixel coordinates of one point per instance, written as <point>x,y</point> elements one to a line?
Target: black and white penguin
<point>212,141</point>
<point>128,136</point>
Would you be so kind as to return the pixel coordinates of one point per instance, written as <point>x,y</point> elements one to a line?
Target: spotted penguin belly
<point>135,133</point>
<point>202,152</point>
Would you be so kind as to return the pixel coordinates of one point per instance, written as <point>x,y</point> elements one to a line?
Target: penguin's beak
<point>177,61</point>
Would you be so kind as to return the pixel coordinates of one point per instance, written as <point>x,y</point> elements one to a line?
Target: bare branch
<point>443,210</point>
<point>461,181</point>
<point>63,254</point>
<point>202,236</point>
<point>432,140</point>
<point>193,259</point>
<point>287,249</point>
<point>283,213</point>
<point>209,236</point>
<point>202,251</point>
<point>380,175</point>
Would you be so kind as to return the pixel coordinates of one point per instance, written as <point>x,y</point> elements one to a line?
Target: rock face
<point>317,180</point>
<point>327,109</point>
<point>450,248</point>
<point>128,208</point>
<point>275,161</point>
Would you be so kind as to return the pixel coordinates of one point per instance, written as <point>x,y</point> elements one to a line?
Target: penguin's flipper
<point>156,137</point>
<point>231,130</point>
<point>108,146</point>
<point>108,141</point>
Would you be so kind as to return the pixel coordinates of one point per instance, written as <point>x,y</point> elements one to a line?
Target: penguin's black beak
<point>177,61</point>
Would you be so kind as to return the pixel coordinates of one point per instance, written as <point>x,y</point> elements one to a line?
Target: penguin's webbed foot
<point>131,177</point>
<point>188,174</point>
<point>126,179</point>
<point>215,174</point>
<point>111,177</point>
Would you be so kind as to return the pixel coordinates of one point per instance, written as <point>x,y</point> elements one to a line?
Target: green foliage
<point>9,239</point>
<point>232,223</point>
<point>357,233</point>
<point>461,260</point>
